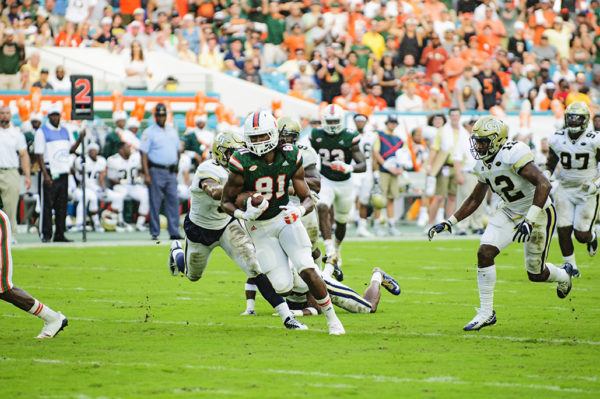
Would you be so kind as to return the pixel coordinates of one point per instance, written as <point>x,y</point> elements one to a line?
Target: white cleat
<point>292,324</point>
<point>363,232</point>
<point>172,263</point>
<point>250,312</point>
<point>335,327</point>
<point>422,219</point>
<point>52,328</point>
<point>481,320</point>
<point>140,227</point>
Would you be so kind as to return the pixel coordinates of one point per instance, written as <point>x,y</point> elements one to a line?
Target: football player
<point>207,226</point>
<point>54,322</point>
<point>337,148</point>
<point>527,214</point>
<point>124,177</point>
<point>275,226</point>
<point>577,196</point>
<point>289,132</point>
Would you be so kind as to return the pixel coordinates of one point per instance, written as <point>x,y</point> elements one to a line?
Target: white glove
<point>342,167</point>
<point>292,213</point>
<point>251,212</point>
<point>123,181</point>
<point>589,189</point>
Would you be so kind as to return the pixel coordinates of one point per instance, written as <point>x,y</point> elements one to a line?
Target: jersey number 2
<point>264,185</point>
<point>508,187</point>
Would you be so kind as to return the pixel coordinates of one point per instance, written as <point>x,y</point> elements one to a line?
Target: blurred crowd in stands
<point>363,55</point>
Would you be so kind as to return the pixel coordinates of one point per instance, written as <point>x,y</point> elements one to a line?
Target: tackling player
<point>54,322</point>
<point>289,132</point>
<point>207,227</point>
<point>337,148</point>
<point>527,214</point>
<point>275,228</point>
<point>577,196</point>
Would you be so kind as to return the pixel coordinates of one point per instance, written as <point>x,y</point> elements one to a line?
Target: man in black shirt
<point>491,87</point>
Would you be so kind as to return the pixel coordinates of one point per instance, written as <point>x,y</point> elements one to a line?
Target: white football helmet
<point>333,119</point>
<point>257,124</point>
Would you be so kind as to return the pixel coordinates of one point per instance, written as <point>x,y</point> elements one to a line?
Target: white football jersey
<point>124,169</point>
<point>309,158</point>
<point>502,176</point>
<point>185,164</point>
<point>93,169</point>
<point>205,211</point>
<point>577,157</point>
<point>367,139</point>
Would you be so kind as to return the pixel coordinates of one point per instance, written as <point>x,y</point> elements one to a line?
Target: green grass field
<point>135,331</point>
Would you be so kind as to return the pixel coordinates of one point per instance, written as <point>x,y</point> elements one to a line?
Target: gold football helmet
<point>487,137</point>
<point>577,118</point>
<point>289,130</point>
<point>224,146</point>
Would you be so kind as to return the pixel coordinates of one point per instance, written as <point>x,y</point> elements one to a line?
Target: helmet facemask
<point>575,123</point>
<point>288,136</point>
<point>481,147</point>
<point>261,147</point>
<point>332,126</point>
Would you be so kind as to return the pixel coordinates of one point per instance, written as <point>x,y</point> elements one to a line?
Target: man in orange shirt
<point>488,40</point>
<point>352,73</point>
<point>473,55</point>
<point>434,56</point>
<point>541,19</point>
<point>295,40</point>
<point>433,8</point>
<point>454,66</point>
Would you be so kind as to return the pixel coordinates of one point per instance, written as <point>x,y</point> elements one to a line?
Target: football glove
<point>589,189</point>
<point>253,212</point>
<point>341,167</point>
<point>292,213</point>
<point>439,228</point>
<point>523,232</point>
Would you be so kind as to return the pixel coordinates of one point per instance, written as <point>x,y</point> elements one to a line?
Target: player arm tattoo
<point>552,161</point>
<point>541,183</point>
<point>232,188</point>
<point>359,159</point>
<point>313,178</point>
<point>212,188</point>
<point>302,190</point>
<point>472,202</point>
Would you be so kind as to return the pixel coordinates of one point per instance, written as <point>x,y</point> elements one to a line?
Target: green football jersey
<point>270,180</point>
<point>111,143</point>
<point>334,148</point>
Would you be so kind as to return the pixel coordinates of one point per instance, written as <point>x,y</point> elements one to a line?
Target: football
<point>242,199</point>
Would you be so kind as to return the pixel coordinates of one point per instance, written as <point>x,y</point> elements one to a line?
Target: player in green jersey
<point>275,226</point>
<point>337,148</point>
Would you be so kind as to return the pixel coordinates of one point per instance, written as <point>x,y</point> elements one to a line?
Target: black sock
<point>267,290</point>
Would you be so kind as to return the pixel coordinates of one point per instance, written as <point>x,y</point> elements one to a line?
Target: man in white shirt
<point>409,101</point>
<point>60,82</point>
<point>79,10</point>
<point>13,152</point>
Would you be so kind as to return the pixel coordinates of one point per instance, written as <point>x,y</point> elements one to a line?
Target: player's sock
<point>338,246</point>
<point>179,257</point>
<point>141,220</point>
<point>390,222</point>
<point>96,219</point>
<point>42,311</point>
<point>250,302</point>
<point>377,277</point>
<point>327,307</point>
<point>327,270</point>
<point>329,247</point>
<point>486,280</point>
<point>556,274</point>
<point>268,292</point>
<point>362,223</point>
<point>570,259</point>
<point>593,237</point>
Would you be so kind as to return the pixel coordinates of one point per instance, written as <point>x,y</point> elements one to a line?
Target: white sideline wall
<point>108,70</point>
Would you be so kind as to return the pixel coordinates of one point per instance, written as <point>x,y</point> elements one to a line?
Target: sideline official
<point>52,145</point>
<point>160,155</point>
<point>12,151</point>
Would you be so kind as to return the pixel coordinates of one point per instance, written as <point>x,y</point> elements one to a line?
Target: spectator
<point>211,56</point>
<point>409,101</point>
<point>105,37</point>
<point>294,40</point>
<point>489,40</point>
<point>465,6</point>
<point>68,37</point>
<point>434,101</point>
<point>544,50</point>
<point>448,41</point>
<point>374,40</point>
<point>273,54</point>
<point>516,42</point>
<point>559,36</point>
<point>59,81</point>
<point>579,94</point>
<point>136,70</point>
<point>375,100</point>
<point>337,19</point>
<point>386,76</point>
<point>353,74</point>
<point>139,15</point>
<point>541,19</point>
<point>13,153</point>
<point>563,72</point>
<point>235,59</point>
<point>527,81</point>
<point>159,147</point>
<point>43,82</point>
<point>467,91</point>
<point>562,92</point>
<point>473,55</point>
<point>444,24</point>
<point>330,74</point>
<point>492,92</point>
<point>250,73</point>
<point>79,11</point>
<point>508,15</point>
<point>31,71</point>
<point>310,22</point>
<point>185,54</point>
<point>295,17</point>
<point>253,9</point>
<point>235,25</point>
<point>50,141</point>
<point>386,146</point>
<point>292,66</point>
<point>434,56</point>
<point>12,57</point>
<point>466,30</point>
<point>162,46</point>
<point>578,54</point>
<point>454,66</point>
<point>434,9</point>
<point>545,97</point>
<point>198,141</point>
<point>136,34</point>
<point>305,76</point>
<point>45,36</point>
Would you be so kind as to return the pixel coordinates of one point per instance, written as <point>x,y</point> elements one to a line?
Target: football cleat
<point>592,246</point>
<point>388,282</point>
<point>172,263</point>
<point>250,312</point>
<point>480,321</point>
<point>563,289</point>
<point>576,272</point>
<point>291,323</point>
<point>52,328</point>
<point>335,327</point>
<point>363,232</point>
<point>337,272</point>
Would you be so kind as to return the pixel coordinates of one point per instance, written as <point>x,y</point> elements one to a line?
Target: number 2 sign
<point>82,97</point>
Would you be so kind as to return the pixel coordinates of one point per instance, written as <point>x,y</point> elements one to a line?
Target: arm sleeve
<point>39,142</point>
